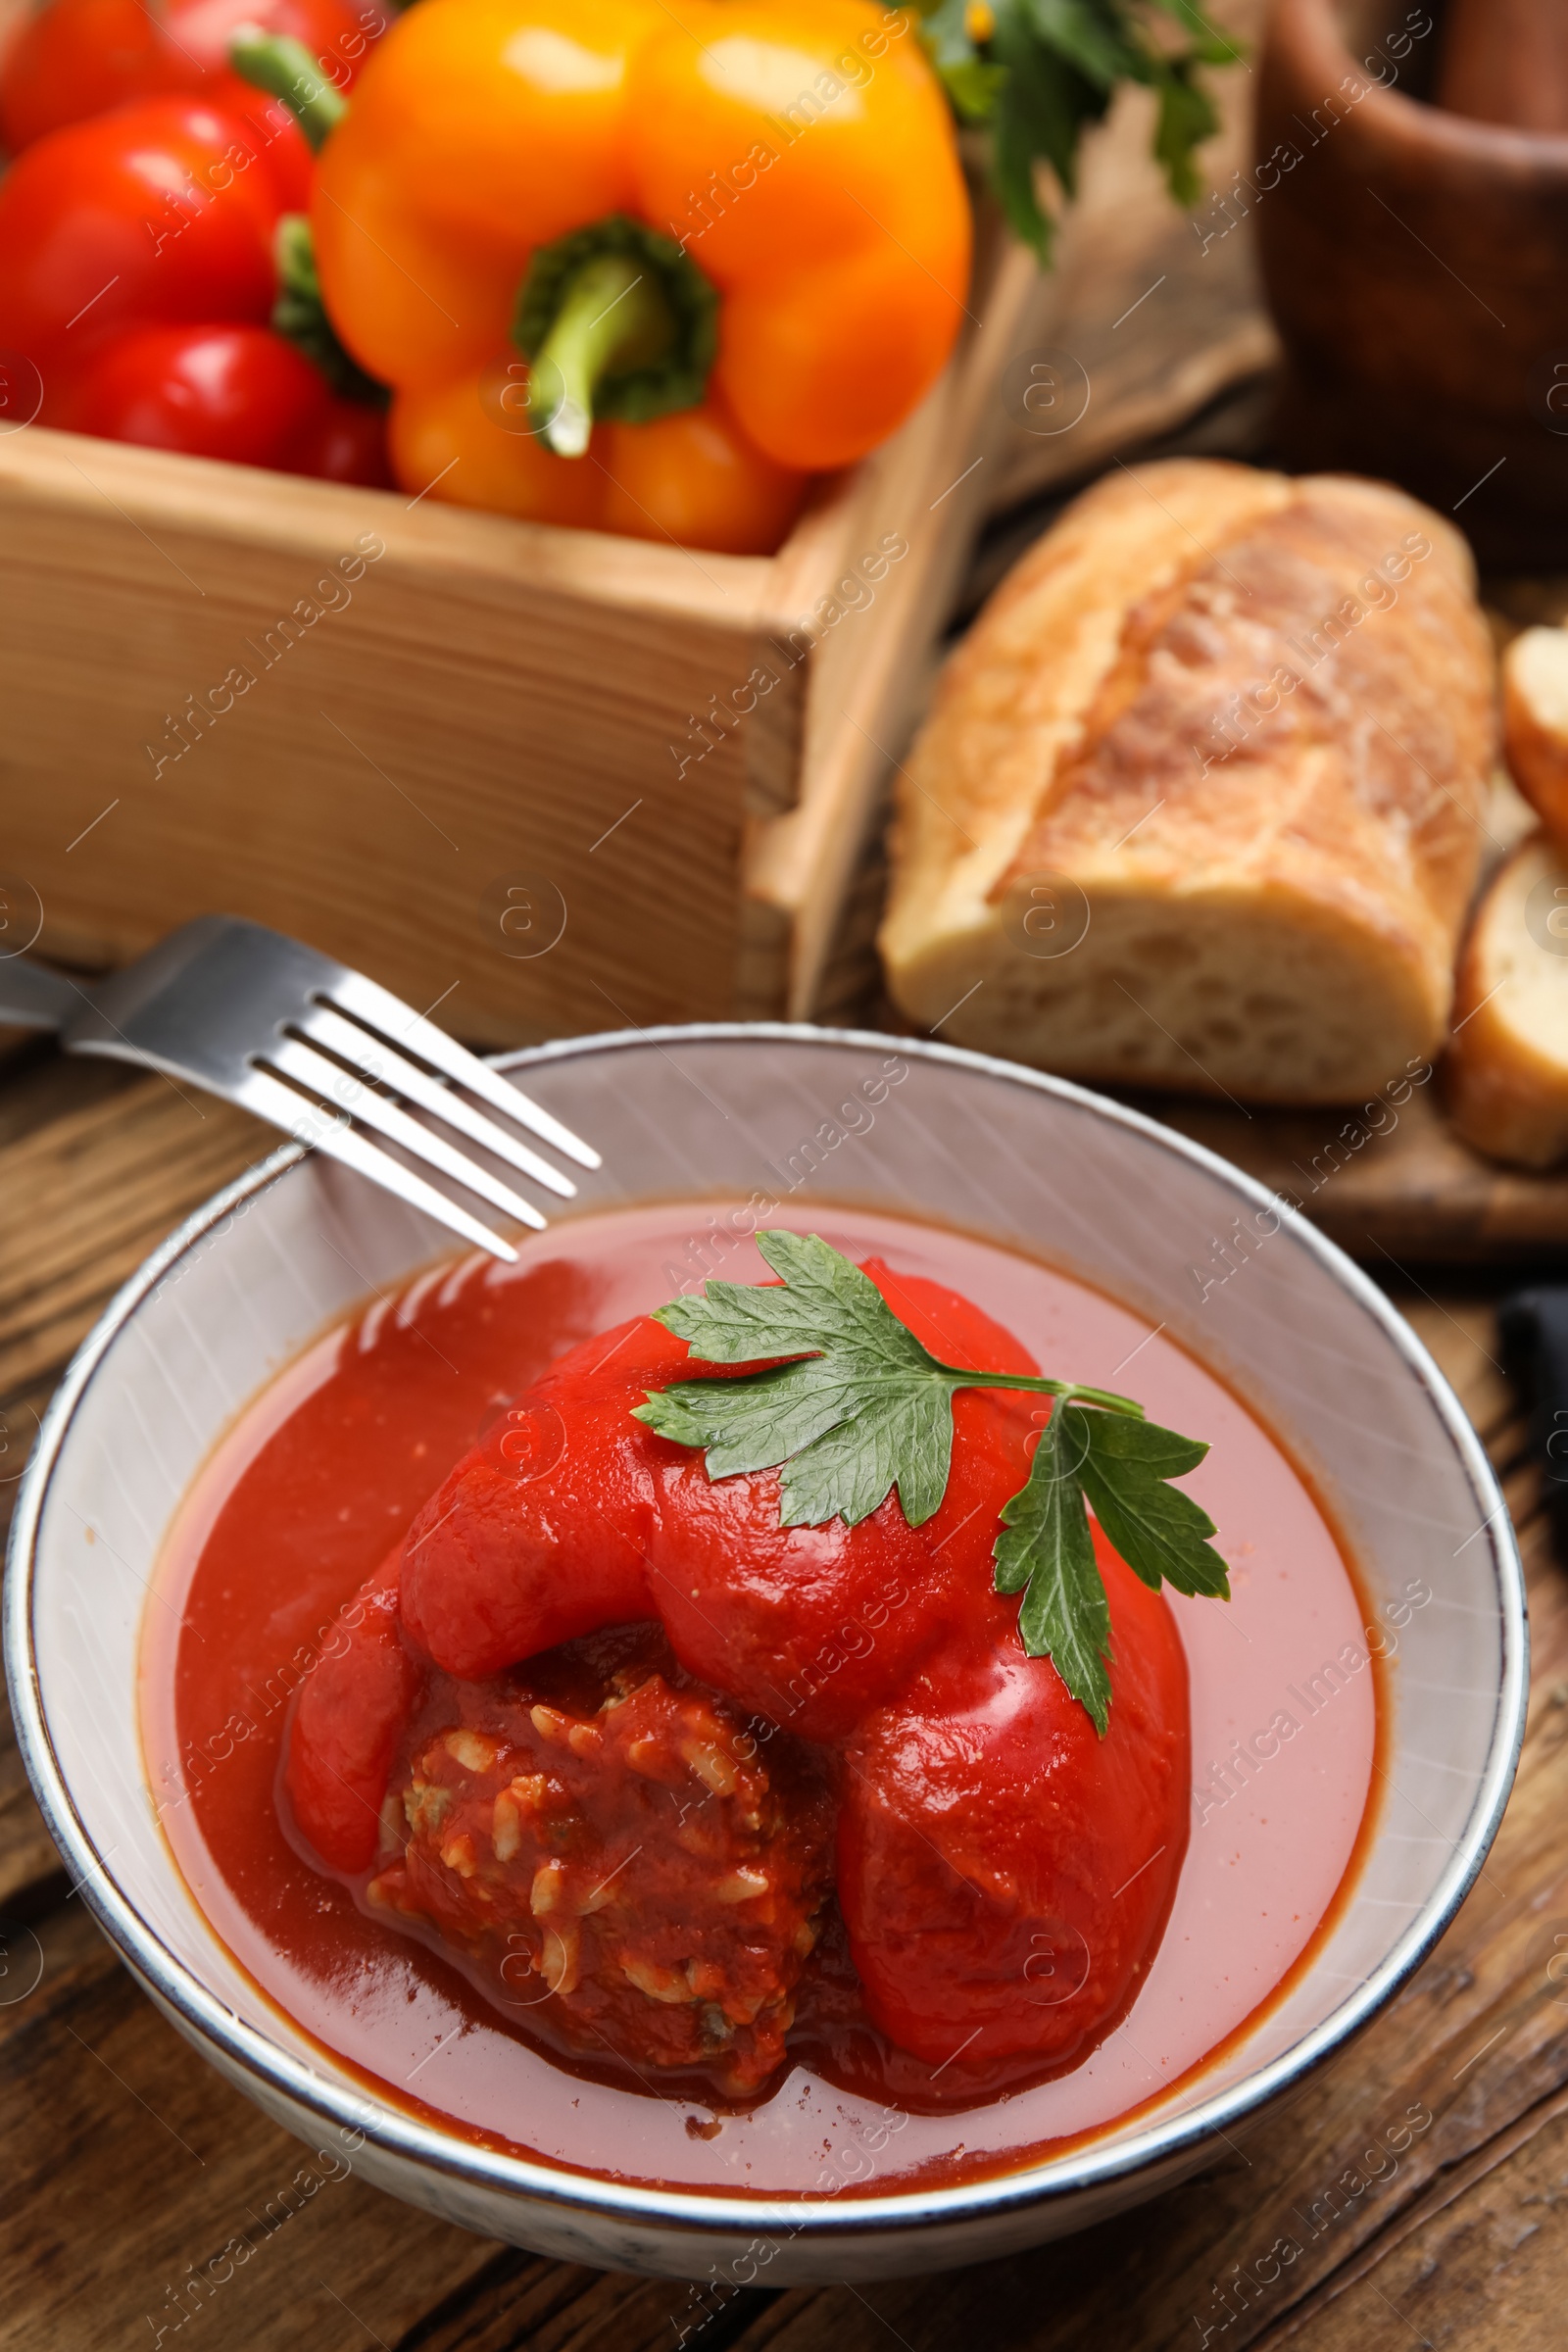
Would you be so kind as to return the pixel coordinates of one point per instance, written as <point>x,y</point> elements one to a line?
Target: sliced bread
<point>1535,723</point>
<point>1507,1070</point>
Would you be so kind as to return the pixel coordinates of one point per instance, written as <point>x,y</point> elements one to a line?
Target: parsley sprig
<point>861,1409</point>
<point>1036,73</point>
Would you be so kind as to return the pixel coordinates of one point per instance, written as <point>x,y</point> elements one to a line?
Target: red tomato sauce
<point>610,1868</point>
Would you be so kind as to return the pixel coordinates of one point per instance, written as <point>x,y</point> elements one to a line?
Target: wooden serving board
<point>1395,1194</point>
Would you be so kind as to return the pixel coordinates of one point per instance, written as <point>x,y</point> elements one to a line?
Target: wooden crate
<point>431,741</point>
<point>550,779</point>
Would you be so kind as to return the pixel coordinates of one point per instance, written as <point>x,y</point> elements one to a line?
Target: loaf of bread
<point>1506,1072</point>
<point>1196,804</point>
<point>1535,723</point>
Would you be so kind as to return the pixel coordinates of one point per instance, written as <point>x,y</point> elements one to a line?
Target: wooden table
<point>129,2164</point>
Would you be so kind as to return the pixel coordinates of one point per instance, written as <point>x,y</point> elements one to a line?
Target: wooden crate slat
<point>470,718</point>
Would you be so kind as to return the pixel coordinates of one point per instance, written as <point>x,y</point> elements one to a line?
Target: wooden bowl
<point>1417,267</point>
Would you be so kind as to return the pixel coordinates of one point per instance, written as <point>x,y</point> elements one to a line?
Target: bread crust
<point>1505,1074</point>
<point>1245,724</point>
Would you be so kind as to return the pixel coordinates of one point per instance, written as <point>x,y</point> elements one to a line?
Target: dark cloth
<point>1533,1329</point>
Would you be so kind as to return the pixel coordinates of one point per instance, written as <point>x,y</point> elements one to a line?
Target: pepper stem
<point>615,323</point>
<point>612,316</point>
<point>299,315</point>
<point>284,68</point>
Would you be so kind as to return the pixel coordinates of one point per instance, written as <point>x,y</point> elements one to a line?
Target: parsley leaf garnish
<point>1036,73</point>
<point>1045,1552</point>
<point>861,1409</point>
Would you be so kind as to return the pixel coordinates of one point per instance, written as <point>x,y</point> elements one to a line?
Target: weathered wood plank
<point>554,2307</point>
<point>1479,2262</point>
<point>38,1083</point>
<point>1414,1190</point>
<point>142,2193</point>
<point>84,1199</point>
<point>96,1164</point>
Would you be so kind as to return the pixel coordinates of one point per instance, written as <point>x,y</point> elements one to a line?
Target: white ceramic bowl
<point>1023,1159</point>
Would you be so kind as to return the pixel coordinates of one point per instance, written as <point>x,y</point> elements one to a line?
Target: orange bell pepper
<point>731,241</point>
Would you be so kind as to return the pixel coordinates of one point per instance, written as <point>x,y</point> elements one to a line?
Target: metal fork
<point>304,1042</point>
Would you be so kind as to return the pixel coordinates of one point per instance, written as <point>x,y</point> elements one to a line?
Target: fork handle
<point>35,998</point>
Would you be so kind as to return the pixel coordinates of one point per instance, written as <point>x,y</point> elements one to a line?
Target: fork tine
<point>321,1132</point>
<point>380,1010</point>
<point>367,1054</point>
<point>313,1070</point>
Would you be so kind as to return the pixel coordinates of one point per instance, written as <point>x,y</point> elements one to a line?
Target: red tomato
<point>163,213</point>
<point>240,393</point>
<point>348,446</point>
<point>73,58</point>
<point>77,58</point>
